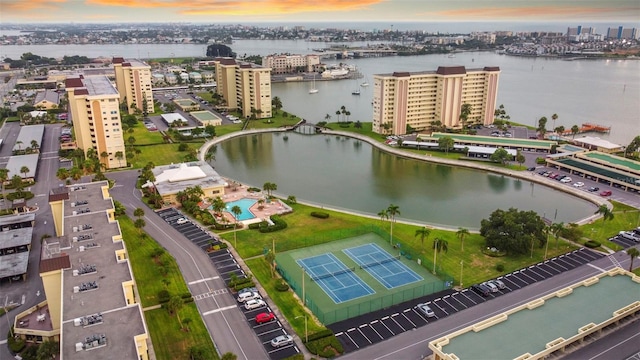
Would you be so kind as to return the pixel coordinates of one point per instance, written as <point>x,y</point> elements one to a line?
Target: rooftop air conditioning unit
<point>76,289</point>
<point>75,272</point>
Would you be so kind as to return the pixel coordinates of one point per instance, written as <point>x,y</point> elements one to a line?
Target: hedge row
<point>326,347</point>
<point>320,215</point>
<point>592,244</point>
<point>278,224</point>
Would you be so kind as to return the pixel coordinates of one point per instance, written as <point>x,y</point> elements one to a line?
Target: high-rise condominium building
<point>244,86</point>
<point>133,81</point>
<point>91,306</point>
<point>95,111</point>
<point>419,99</point>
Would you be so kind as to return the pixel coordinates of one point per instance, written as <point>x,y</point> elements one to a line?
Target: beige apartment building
<point>91,307</point>
<point>133,81</point>
<point>418,99</point>
<point>95,111</point>
<point>287,64</point>
<point>245,87</point>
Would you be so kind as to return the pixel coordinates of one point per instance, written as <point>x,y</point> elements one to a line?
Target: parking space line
<point>350,338</point>
<point>394,320</point>
<point>537,270</point>
<point>532,279</point>
<point>440,307</point>
<point>461,303</point>
<point>385,325</point>
<point>465,295</point>
<point>374,329</point>
<point>219,309</point>
<point>203,280</point>
<point>406,317</point>
<point>444,299</point>
<point>421,316</point>
<point>365,336</point>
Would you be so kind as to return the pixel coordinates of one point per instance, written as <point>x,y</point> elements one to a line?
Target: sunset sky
<point>244,11</point>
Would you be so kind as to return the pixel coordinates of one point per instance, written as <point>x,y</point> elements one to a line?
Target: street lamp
<point>306,332</point>
<point>461,267</point>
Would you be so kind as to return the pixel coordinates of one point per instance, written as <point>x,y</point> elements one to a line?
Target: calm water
<point>605,92</point>
<point>340,172</point>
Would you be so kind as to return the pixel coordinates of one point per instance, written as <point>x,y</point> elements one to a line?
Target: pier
<point>588,127</point>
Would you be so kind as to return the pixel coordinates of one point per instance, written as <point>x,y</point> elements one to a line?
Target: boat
<point>313,89</point>
<point>452,55</point>
<point>355,92</point>
<point>365,83</point>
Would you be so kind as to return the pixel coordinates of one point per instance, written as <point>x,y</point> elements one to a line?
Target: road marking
<point>218,310</point>
<point>203,280</point>
<point>595,267</point>
<point>2,342</point>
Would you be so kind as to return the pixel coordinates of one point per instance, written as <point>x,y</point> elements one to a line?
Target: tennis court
<point>388,270</point>
<point>337,280</point>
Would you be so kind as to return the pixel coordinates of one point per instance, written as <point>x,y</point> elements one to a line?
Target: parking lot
<point>227,266</point>
<point>627,242</point>
<point>362,331</point>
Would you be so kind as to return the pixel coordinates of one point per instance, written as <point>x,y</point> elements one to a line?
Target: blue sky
<point>292,11</point>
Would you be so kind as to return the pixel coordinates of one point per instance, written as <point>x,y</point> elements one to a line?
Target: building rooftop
<point>28,133</point>
<point>49,95</point>
<point>173,117</point>
<point>16,232</point>
<point>95,270</point>
<point>16,163</point>
<point>442,70</point>
<point>176,177</point>
<point>596,141</point>
<point>99,85</point>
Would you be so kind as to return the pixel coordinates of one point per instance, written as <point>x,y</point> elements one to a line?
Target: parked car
<point>492,287</point>
<point>605,193</point>
<point>533,168</point>
<point>246,296</point>
<point>566,180</point>
<point>254,304</point>
<point>264,317</point>
<point>593,188</point>
<point>480,289</point>
<point>629,235</point>
<point>426,310</point>
<point>182,221</point>
<point>498,283</point>
<point>282,340</point>
<point>578,184</point>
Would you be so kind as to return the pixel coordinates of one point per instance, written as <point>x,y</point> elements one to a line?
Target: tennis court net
<point>335,273</point>
<point>376,263</point>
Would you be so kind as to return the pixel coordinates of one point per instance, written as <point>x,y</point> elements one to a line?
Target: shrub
<point>320,215</point>
<point>320,334</point>
<point>164,296</point>
<point>500,267</point>
<point>15,346</point>
<point>282,286</point>
<point>540,161</point>
<point>592,244</point>
<point>278,224</point>
<point>326,347</point>
<point>183,147</point>
<point>244,285</point>
<point>186,295</point>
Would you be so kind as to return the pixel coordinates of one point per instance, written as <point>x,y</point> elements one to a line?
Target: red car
<point>605,193</point>
<point>264,318</point>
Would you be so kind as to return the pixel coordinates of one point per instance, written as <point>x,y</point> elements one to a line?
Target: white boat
<point>313,89</point>
<point>355,92</point>
<point>365,83</point>
<point>452,55</point>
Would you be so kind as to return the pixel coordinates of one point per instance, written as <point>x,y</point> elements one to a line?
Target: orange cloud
<point>524,12</point>
<point>238,7</point>
<point>11,6</point>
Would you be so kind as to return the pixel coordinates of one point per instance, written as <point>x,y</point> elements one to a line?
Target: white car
<point>578,184</point>
<point>248,295</point>
<point>426,310</point>
<point>566,180</point>
<point>254,304</point>
<point>491,286</point>
<point>282,340</point>
<point>182,221</point>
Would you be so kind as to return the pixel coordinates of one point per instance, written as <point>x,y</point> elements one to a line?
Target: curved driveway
<point>224,320</point>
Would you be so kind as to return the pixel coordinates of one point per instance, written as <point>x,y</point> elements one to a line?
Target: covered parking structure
<point>548,325</point>
<point>612,161</point>
<point>480,152</point>
<point>507,143</point>
<point>600,173</point>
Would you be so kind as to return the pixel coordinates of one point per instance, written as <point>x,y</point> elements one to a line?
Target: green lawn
<point>169,341</point>
<point>147,271</point>
<point>144,136</point>
<point>305,230</point>
<point>160,154</point>
<point>624,218</point>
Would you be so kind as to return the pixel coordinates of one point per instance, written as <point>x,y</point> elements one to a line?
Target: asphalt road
<point>224,320</point>
<point>414,344</point>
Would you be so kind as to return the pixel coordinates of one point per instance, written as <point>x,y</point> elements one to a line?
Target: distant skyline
<point>299,11</point>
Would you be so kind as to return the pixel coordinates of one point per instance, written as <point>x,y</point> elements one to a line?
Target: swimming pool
<point>244,205</point>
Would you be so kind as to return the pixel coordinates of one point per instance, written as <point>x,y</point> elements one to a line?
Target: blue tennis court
<point>388,270</point>
<point>335,278</point>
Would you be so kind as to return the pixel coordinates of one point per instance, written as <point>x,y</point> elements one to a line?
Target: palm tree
<point>236,210</point>
<point>438,245</point>
<point>75,173</point>
<point>461,234</point>
<point>209,156</point>
<point>4,176</point>
<point>119,156</point>
<point>327,118</point>
<point>574,130</point>
<point>392,211</point>
<point>139,224</point>
<point>634,253</point>
<point>606,213</point>
<point>554,117</point>
<point>138,212</point>
<point>556,229</point>
<point>384,215</point>
<point>34,145</point>
<point>424,234</point>
<point>465,111</point>
<point>24,170</point>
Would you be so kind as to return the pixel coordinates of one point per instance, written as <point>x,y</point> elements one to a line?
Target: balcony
<point>34,321</point>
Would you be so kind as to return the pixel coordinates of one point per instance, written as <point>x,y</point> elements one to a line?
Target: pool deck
<point>242,192</point>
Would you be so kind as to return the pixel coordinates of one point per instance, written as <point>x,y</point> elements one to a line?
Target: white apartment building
<point>244,86</point>
<point>418,99</point>
<point>286,64</point>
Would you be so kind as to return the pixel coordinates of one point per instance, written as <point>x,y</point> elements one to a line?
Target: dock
<point>588,127</point>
